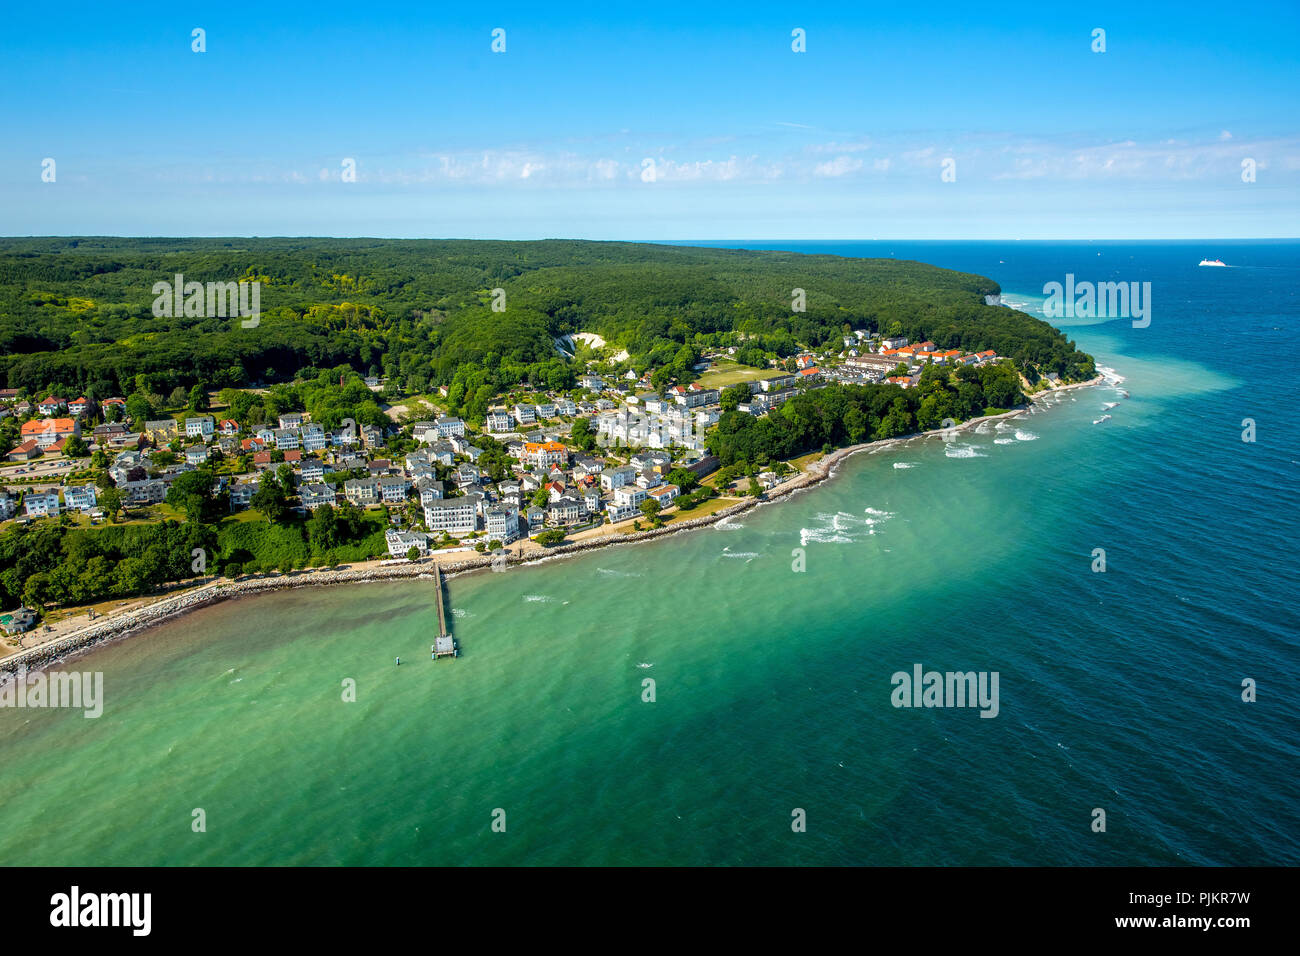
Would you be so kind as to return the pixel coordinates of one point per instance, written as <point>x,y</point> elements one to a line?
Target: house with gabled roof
<point>315,494</point>
<point>362,492</point>
<point>200,426</point>
<point>501,524</point>
<point>37,504</point>
<point>400,543</point>
<point>49,431</point>
<point>664,494</point>
<point>17,621</point>
<point>393,488</point>
<point>80,497</point>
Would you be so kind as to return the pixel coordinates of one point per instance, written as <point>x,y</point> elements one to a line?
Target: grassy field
<point>677,514</point>
<point>804,461</point>
<point>700,510</point>
<point>729,373</point>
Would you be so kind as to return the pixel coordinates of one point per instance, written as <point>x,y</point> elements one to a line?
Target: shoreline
<point>137,619</point>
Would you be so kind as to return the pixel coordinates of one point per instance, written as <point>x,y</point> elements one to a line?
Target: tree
<point>131,577</point>
<point>650,508</point>
<point>198,399</point>
<point>733,395</point>
<point>856,424</point>
<point>140,409</point>
<point>75,447</point>
<point>412,553</point>
<point>898,420</point>
<point>270,499</point>
<point>754,490</point>
<point>191,492</point>
<point>541,497</point>
<point>110,499</point>
<point>582,435</point>
<point>683,478</point>
<point>323,530</point>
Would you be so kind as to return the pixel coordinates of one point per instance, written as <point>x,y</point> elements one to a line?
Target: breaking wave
<point>843,527</point>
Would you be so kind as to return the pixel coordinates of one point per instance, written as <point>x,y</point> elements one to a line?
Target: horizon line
<point>89,235</point>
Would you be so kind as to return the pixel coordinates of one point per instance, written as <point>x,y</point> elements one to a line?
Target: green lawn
<point>700,510</point>
<point>803,461</point>
<point>729,373</point>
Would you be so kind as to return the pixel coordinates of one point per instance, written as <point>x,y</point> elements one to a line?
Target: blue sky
<point>748,139</point>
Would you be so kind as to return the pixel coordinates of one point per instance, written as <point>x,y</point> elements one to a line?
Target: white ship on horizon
<point>1213,262</point>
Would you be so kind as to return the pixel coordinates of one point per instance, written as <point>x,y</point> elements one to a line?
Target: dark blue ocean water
<point>1141,668</point>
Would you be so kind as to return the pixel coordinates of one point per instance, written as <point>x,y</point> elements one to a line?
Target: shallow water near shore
<point>1119,690</point>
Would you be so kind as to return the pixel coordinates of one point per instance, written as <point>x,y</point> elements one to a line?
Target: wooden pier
<point>444,645</point>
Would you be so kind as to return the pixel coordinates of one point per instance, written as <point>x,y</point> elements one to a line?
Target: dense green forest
<point>48,562</point>
<point>834,417</point>
<point>76,316</point>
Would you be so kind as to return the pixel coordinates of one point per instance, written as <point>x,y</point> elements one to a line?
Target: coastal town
<point>544,467</point>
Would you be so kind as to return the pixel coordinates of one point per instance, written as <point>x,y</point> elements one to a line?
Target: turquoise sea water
<point>772,687</point>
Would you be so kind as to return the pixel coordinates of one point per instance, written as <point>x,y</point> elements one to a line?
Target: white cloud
<point>839,166</point>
